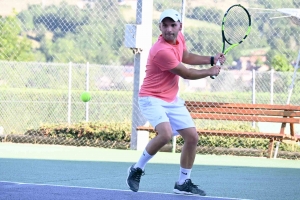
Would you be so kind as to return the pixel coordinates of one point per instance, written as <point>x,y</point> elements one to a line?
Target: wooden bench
<point>284,114</point>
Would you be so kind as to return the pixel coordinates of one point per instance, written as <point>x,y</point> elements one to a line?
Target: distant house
<point>250,62</point>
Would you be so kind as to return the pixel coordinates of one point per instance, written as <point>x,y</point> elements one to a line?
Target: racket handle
<point>218,64</point>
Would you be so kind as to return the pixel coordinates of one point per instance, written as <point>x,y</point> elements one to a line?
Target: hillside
<point>7,6</point>
<point>129,11</point>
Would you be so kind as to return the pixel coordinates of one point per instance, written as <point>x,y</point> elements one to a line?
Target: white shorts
<point>157,111</point>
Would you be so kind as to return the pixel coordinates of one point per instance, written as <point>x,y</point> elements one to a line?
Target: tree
<point>13,46</point>
<point>259,62</point>
<point>89,34</point>
<point>280,63</point>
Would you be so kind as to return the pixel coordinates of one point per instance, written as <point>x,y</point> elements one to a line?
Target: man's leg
<point>164,135</point>
<point>188,154</point>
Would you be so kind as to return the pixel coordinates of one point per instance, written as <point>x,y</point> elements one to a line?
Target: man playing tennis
<point>160,104</point>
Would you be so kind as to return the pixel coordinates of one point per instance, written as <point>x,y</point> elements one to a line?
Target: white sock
<point>145,157</point>
<point>183,175</point>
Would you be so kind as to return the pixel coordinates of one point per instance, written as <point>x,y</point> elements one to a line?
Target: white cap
<point>173,14</point>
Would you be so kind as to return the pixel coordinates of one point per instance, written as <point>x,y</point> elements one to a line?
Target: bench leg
<point>174,144</point>
<point>271,148</point>
<point>142,140</point>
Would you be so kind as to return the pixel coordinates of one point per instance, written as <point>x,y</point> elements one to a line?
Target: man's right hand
<point>215,70</point>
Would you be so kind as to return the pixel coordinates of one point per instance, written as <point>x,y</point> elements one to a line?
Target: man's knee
<point>192,138</point>
<point>164,132</point>
<point>190,135</point>
<point>165,137</point>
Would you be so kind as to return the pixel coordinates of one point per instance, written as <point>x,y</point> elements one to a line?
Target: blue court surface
<point>53,172</point>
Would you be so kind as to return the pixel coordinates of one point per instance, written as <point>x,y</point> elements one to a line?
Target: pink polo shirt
<point>159,81</point>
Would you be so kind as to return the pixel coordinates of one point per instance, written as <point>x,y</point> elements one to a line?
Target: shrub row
<point>120,132</point>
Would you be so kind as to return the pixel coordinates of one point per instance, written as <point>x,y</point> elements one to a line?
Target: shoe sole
<point>128,172</point>
<point>182,192</point>
<point>186,193</point>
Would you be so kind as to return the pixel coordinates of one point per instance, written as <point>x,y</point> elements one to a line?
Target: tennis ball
<point>85,96</point>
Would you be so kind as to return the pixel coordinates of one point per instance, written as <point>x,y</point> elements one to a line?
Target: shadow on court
<point>66,179</point>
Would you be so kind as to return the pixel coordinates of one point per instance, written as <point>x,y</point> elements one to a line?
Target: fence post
<point>70,93</point>
<point>253,90</point>
<point>144,11</point>
<point>272,86</point>
<point>87,88</point>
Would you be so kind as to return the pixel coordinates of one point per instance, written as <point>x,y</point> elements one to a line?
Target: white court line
<point>94,188</point>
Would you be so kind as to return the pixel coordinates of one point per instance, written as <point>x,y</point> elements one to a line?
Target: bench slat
<point>242,105</point>
<point>244,118</point>
<point>242,134</point>
<point>230,133</point>
<point>243,111</point>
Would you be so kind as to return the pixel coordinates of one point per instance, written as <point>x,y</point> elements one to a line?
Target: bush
<point>236,142</point>
<point>119,132</point>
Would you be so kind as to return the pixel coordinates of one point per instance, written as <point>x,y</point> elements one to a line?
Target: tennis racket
<point>236,26</point>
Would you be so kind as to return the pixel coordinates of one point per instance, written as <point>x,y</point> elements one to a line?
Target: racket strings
<point>236,25</point>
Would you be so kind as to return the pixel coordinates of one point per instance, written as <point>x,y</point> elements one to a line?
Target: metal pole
<point>272,86</point>
<point>143,17</point>
<point>276,149</point>
<point>70,92</point>
<point>87,89</point>
<point>182,15</point>
<point>253,91</point>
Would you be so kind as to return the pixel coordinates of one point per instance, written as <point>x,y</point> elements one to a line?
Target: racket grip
<point>218,64</point>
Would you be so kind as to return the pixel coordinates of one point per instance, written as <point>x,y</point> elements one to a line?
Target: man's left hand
<point>220,57</point>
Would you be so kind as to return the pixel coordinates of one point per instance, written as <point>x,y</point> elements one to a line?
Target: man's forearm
<point>193,59</point>
<point>195,74</point>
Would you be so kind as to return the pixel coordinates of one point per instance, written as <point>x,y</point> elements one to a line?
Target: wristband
<point>212,61</point>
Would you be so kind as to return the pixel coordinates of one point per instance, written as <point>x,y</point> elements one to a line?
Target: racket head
<point>236,26</point>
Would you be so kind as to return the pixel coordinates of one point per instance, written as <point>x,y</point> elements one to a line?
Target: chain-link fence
<point>52,51</point>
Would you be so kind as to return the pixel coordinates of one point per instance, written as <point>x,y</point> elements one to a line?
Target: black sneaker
<point>188,188</point>
<point>134,177</point>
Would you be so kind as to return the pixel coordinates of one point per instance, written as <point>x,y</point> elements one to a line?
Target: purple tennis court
<point>14,191</point>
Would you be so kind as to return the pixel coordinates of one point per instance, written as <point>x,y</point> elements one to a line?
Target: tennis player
<point>159,103</point>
